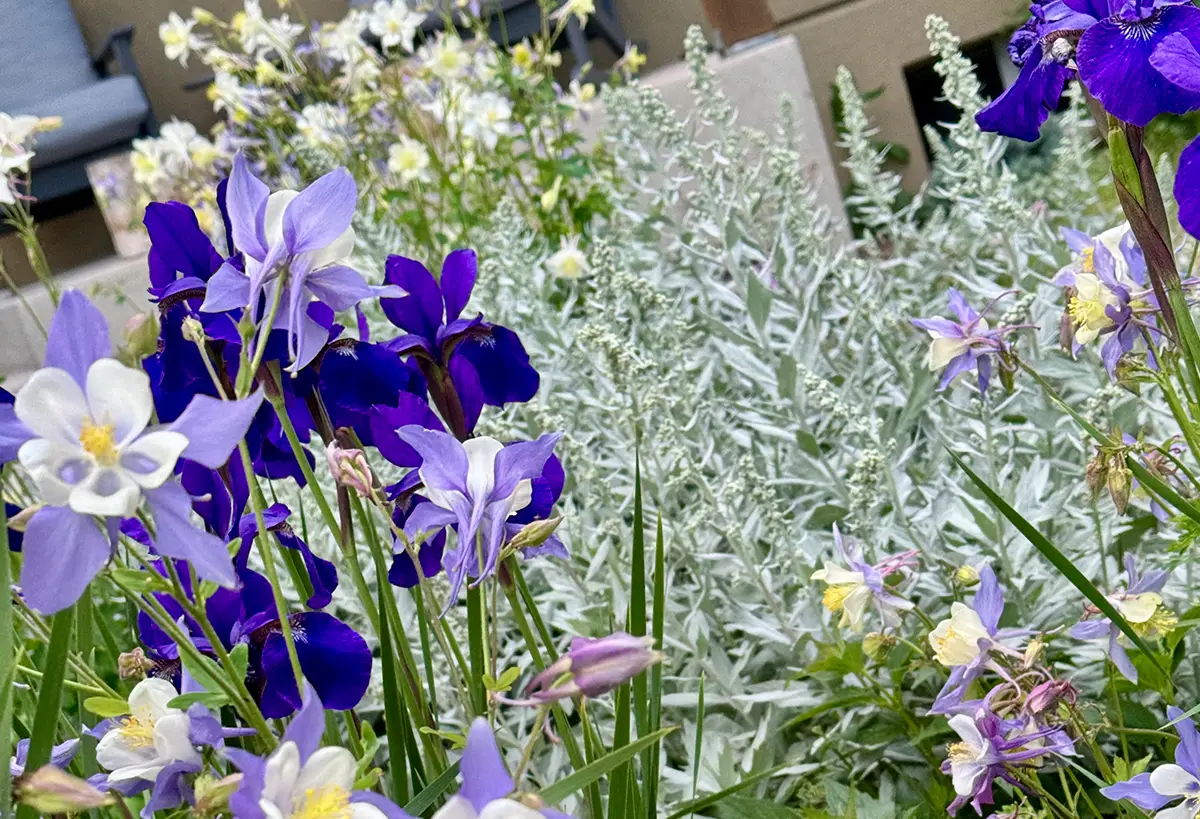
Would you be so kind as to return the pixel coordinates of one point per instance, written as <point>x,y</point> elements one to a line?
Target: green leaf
<point>825,516</point>
<point>426,799</point>
<point>205,674</point>
<point>456,740</point>
<point>240,657</point>
<point>808,443</point>
<point>106,707</point>
<point>1124,167</point>
<point>504,683</point>
<point>1060,562</point>
<point>699,748</point>
<point>135,579</point>
<point>592,772</point>
<point>651,772</point>
<point>210,699</point>
<point>785,376</point>
<point>50,690</point>
<point>741,807</point>
<point>697,805</point>
<point>758,300</point>
<point>637,594</point>
<point>394,715</point>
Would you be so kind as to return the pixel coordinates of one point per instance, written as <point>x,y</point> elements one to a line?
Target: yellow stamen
<point>329,802</point>
<point>1085,313</point>
<point>960,752</point>
<point>138,733</point>
<point>835,596</point>
<point>1087,260</point>
<point>1161,622</point>
<point>98,441</point>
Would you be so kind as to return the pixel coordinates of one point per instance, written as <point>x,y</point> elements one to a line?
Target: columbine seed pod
<point>1120,483</point>
<point>134,665</point>
<point>1096,474</point>
<point>350,468</point>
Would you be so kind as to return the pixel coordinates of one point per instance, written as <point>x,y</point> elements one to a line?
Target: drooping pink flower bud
<point>350,468</point>
<point>595,666</point>
<point>1049,694</point>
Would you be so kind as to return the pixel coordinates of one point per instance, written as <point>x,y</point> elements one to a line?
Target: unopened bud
<point>203,16</point>
<point>1120,483</point>
<point>141,336</point>
<point>193,330</point>
<point>212,794</point>
<point>134,665</point>
<point>550,197</point>
<point>1032,652</point>
<point>535,533</point>
<point>596,666</point>
<point>1048,694</point>
<point>1061,50</point>
<point>50,790</point>
<point>966,576</point>
<point>350,468</point>
<point>877,645</point>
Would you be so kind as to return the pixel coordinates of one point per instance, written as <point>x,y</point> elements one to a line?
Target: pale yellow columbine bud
<point>955,641</point>
<point>966,576</point>
<point>1120,484</point>
<point>238,21</point>
<point>203,16</point>
<point>587,92</point>
<point>876,645</point>
<point>846,592</point>
<point>550,197</point>
<point>50,790</point>
<point>19,521</point>
<point>193,330</point>
<point>141,337</point>
<point>212,794</point>
<point>535,533</point>
<point>1032,652</point>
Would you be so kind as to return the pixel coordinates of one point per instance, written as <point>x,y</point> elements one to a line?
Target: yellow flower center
<point>329,802</point>
<point>835,596</point>
<point>174,37</point>
<point>1087,260</point>
<point>960,752</point>
<point>97,440</point>
<point>1087,312</point>
<point>1161,622</point>
<point>138,733</point>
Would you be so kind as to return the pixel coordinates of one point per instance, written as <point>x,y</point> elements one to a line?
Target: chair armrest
<point>119,47</point>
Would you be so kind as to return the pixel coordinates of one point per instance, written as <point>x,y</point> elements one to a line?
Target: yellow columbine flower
<point>955,641</point>
<point>846,592</point>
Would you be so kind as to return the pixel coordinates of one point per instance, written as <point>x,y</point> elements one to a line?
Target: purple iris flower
<point>1139,603</point>
<point>12,432</point>
<point>1108,294</point>
<point>295,241</point>
<point>476,486</point>
<point>88,449</point>
<point>487,785</point>
<point>15,538</point>
<point>989,747</point>
<point>965,641</point>
<point>959,346</point>
<point>358,380</point>
<point>60,756</point>
<point>321,573</point>
<point>302,779</point>
<point>1116,46</point>
<point>1154,790</point>
<point>467,362</point>
<point>1177,58</point>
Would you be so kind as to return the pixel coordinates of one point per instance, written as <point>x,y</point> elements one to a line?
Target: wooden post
<point>739,20</point>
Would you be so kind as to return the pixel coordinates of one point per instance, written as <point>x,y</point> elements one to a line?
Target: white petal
<point>964,775</point>
<point>276,204</point>
<point>120,396</point>
<point>521,497</point>
<point>270,810</point>
<point>280,778</point>
<point>361,810</point>
<point>456,808</point>
<point>508,809</point>
<point>150,460</point>
<point>854,607</point>
<point>171,741</point>
<point>113,752</point>
<point>55,467</point>
<point>835,575</point>
<point>339,249</point>
<point>944,350</point>
<point>968,731</point>
<point>152,694</point>
<point>327,767</point>
<point>108,493</point>
<point>1184,810</point>
<point>146,770</point>
<point>1138,608</point>
<point>1172,780</point>
<point>53,406</point>
<point>481,470</point>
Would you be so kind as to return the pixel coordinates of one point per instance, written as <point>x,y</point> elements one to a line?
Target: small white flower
<point>150,738</point>
<point>92,452</point>
<point>447,58</point>
<point>395,24</point>
<point>323,123</point>
<point>968,757</point>
<point>178,39</point>
<point>408,159</point>
<point>318,789</point>
<point>955,641</point>
<point>487,118</point>
<point>569,262</point>
<point>581,9</point>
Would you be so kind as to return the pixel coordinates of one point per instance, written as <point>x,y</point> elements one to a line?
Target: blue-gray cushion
<point>106,113</point>
<point>42,52</point>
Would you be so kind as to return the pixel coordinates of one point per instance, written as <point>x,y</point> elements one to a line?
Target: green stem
<point>7,652</point>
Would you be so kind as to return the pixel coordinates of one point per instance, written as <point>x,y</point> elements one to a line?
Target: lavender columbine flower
<point>851,590</point>
<point>467,362</point>
<point>965,640</point>
<point>87,448</point>
<point>595,665</point>
<point>60,756</point>
<point>959,346</point>
<point>1118,48</point>
<point>1142,607</point>
<point>301,780</point>
<point>487,790</point>
<point>475,486</point>
<point>1154,790</point>
<point>988,748</point>
<point>297,241</point>
<point>1108,295</point>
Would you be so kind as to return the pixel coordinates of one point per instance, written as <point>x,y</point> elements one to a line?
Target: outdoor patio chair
<point>46,70</point>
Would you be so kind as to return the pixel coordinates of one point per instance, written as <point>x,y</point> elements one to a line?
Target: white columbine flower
<point>395,24</point>
<point>488,118</point>
<point>178,39</point>
<point>408,159</point>
<point>956,641</point>
<point>460,808</point>
<point>92,452</point>
<point>569,262</point>
<point>968,757</point>
<point>320,788</point>
<point>150,738</point>
<point>447,58</point>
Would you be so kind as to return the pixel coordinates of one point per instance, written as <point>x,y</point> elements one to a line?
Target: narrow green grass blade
<point>393,710</point>
<point>592,772</point>
<point>427,798</point>
<point>476,634</point>
<point>1059,561</point>
<point>650,773</point>
<point>637,595</point>
<point>699,748</point>
<point>85,647</point>
<point>688,808</point>
<point>618,788</point>
<point>7,661</point>
<point>1148,479</point>
<point>49,703</point>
